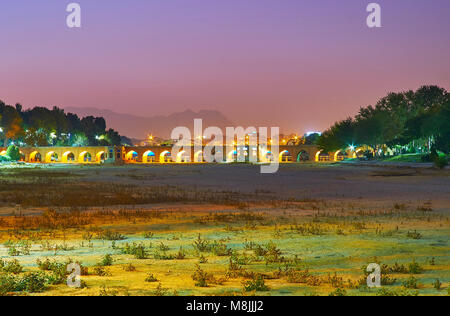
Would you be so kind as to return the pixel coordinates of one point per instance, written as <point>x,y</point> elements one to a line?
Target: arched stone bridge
<point>163,154</point>
<point>66,154</point>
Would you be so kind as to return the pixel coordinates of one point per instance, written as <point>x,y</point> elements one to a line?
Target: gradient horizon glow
<point>300,65</point>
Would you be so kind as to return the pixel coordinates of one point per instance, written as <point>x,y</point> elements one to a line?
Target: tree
<point>11,123</point>
<point>417,119</point>
<point>40,126</point>
<point>339,136</point>
<point>13,153</point>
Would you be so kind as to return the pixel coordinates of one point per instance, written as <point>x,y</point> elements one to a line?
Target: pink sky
<point>300,65</point>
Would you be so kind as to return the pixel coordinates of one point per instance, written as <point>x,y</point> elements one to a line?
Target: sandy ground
<point>396,183</point>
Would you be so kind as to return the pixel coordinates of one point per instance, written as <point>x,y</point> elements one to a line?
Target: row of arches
<point>164,157</point>
<point>67,157</point>
<point>184,157</point>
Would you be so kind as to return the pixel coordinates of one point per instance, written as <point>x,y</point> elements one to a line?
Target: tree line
<point>40,126</point>
<point>405,122</point>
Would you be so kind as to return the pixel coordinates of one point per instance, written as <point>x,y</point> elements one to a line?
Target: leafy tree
<point>339,136</point>
<point>40,126</point>
<point>415,119</point>
<point>11,123</point>
<point>13,153</point>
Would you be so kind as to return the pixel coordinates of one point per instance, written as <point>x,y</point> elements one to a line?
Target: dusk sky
<point>298,64</point>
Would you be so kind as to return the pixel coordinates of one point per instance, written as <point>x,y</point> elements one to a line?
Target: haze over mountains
<point>139,127</point>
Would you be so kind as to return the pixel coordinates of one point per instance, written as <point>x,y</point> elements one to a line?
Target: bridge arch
<point>303,156</point>
<point>68,157</point>
<point>131,156</point>
<point>268,157</point>
<point>100,156</point>
<point>35,156</point>
<point>232,156</point>
<point>3,153</point>
<point>51,156</point>
<point>183,157</point>
<point>85,157</point>
<point>339,155</point>
<point>285,156</point>
<point>318,154</point>
<point>198,156</point>
<point>148,157</point>
<point>165,157</point>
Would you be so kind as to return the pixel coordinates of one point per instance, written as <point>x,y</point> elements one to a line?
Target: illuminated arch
<point>3,153</point>
<point>132,156</point>
<point>339,156</point>
<point>51,157</point>
<point>85,157</point>
<point>232,156</point>
<point>355,154</point>
<point>22,156</point>
<point>268,157</point>
<point>303,156</point>
<point>100,156</point>
<point>285,156</point>
<point>318,155</point>
<point>165,157</point>
<point>148,157</point>
<point>68,156</point>
<point>198,156</point>
<point>182,157</point>
<point>35,157</point>
<point>322,156</point>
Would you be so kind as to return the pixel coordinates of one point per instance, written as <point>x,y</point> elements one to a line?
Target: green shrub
<point>402,292</point>
<point>137,250</point>
<point>129,268</point>
<point>200,277</point>
<point>437,285</point>
<point>410,283</point>
<point>414,235</point>
<point>415,268</point>
<point>111,236</point>
<point>257,284</point>
<point>33,282</point>
<point>107,260</point>
<point>201,245</point>
<point>101,271</point>
<point>13,266</point>
<point>58,269</point>
<point>220,249</point>
<point>441,162</point>
<point>13,153</point>
<point>338,292</point>
<point>151,278</point>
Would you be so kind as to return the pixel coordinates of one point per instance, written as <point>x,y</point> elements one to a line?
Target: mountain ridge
<point>139,127</point>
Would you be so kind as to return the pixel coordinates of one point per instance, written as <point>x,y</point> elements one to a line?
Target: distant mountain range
<point>139,127</point>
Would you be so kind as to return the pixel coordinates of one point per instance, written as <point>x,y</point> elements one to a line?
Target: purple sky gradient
<point>298,64</point>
